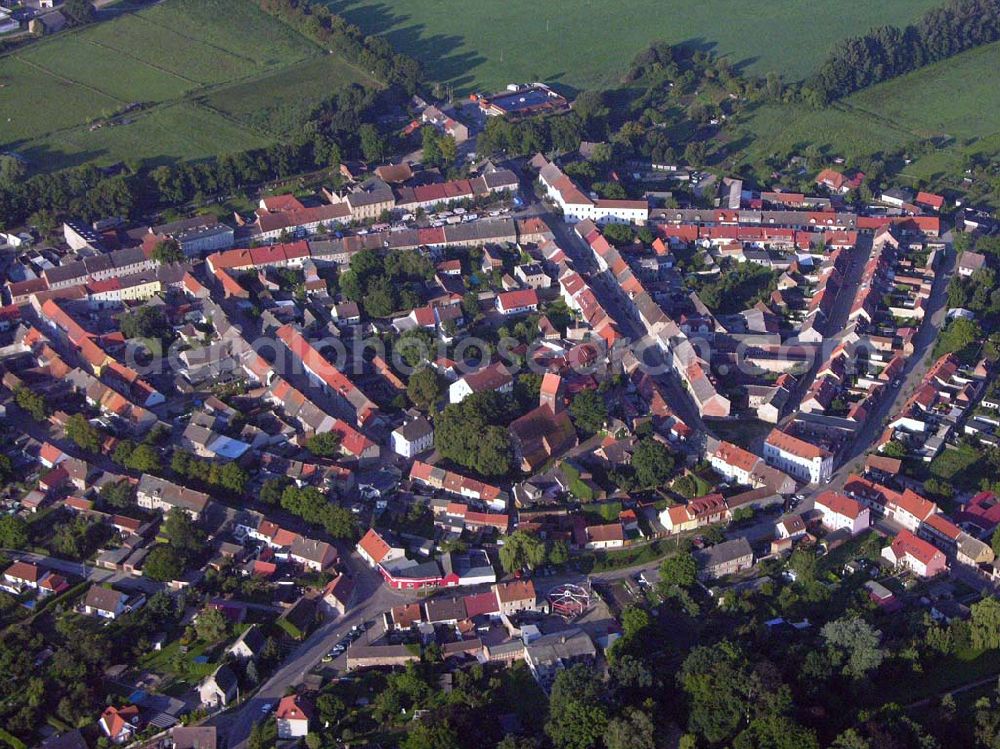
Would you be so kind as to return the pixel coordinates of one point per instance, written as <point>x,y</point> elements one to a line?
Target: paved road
<point>609,295</point>
<point>916,367</point>
<point>857,258</point>
<point>371,599</point>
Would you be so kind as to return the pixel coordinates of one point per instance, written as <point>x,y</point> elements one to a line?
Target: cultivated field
<point>293,88</point>
<point>167,59</point>
<point>956,99</point>
<point>588,43</point>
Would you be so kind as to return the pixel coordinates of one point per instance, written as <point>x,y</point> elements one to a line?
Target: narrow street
<point>371,599</point>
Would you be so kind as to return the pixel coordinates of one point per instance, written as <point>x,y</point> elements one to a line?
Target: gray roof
<point>128,256</point>
<point>723,553</point>
<point>445,609</point>
<point>172,494</point>
<point>413,430</point>
<point>104,599</point>
<point>561,646</point>
<point>98,263</point>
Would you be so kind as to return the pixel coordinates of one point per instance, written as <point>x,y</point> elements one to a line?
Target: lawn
<point>956,101</point>
<point>948,673</point>
<point>265,103</point>
<point>746,433</point>
<point>588,43</point>
<point>962,467</point>
<point>166,57</point>
<point>169,133</point>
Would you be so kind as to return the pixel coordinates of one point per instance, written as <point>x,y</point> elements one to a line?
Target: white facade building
<point>801,459</point>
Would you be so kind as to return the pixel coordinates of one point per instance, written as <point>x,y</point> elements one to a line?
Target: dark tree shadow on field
<point>436,52</point>
<point>697,44</point>
<point>555,81</point>
<point>42,157</point>
<point>375,18</point>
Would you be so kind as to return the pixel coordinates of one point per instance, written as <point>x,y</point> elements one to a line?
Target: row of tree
<point>371,53</point>
<point>888,51</point>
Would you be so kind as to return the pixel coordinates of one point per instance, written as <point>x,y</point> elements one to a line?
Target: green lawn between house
<point>166,58</point>
<point>962,467</point>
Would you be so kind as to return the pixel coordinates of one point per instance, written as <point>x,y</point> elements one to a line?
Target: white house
<point>105,602</point>
<point>376,551</point>
<point>733,462</point>
<point>609,536</point>
<point>517,302</point>
<point>292,717</point>
<point>119,723</point>
<point>533,276</point>
<point>491,377</point>
<point>312,554</point>
<point>792,527</point>
<point>909,509</point>
<point>915,554</point>
<point>577,206</point>
<point>19,576</point>
<point>413,437</point>
<point>803,460</point>
<point>840,511</point>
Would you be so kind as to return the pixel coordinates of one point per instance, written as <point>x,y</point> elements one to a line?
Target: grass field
<point>169,58</point>
<point>297,86</point>
<point>956,99</point>
<point>588,43</point>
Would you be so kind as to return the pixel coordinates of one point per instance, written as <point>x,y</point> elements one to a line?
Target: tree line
<point>373,53</point>
<point>888,51</point>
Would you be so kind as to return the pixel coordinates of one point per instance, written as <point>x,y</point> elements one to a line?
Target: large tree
<point>679,569</point>
<point>163,563</point>
<point>473,433</point>
<point>425,388</point>
<point>211,625</point>
<point>179,529</point>
<point>83,433</point>
<point>13,532</point>
<point>652,463</point>
<point>521,549</point>
<point>577,715</point>
<point>589,411</point>
<point>854,644</point>
<point>634,730</point>
<point>719,683</point>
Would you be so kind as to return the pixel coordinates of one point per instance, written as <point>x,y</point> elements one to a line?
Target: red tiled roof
<point>944,526</point>
<point>915,505</point>
<point>840,504</point>
<point>516,299</point>
<point>480,603</point>
<point>790,444</point>
<point>22,571</point>
<point>116,718</point>
<point>374,546</point>
<point>517,590</point>
<point>930,199</point>
<point>906,544</point>
<point>293,707</point>
<point>736,456</point>
<point>605,533</point>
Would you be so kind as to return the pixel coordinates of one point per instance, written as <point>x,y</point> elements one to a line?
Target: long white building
<point>803,460</point>
<point>577,206</point>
